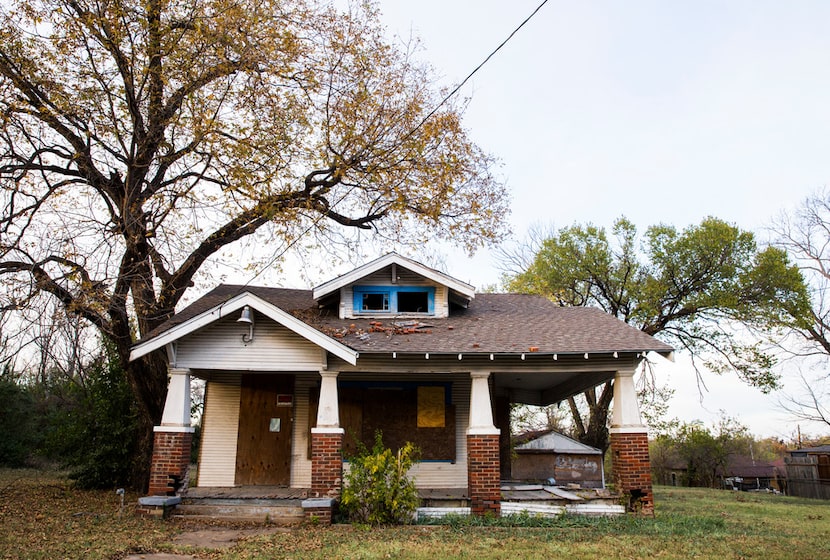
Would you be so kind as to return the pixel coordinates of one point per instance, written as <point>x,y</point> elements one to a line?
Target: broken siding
<point>275,348</point>
<point>220,425</point>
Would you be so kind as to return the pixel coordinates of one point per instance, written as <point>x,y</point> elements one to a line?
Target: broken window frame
<point>390,295</point>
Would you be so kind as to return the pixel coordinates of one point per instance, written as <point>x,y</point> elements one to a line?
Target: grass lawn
<point>42,516</point>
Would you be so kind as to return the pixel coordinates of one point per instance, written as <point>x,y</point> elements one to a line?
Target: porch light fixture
<point>247,317</point>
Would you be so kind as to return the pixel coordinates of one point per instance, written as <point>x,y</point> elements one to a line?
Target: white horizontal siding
<point>300,463</point>
<point>220,425</point>
<point>274,348</point>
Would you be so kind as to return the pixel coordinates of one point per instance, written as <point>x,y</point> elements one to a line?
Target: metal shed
<point>546,455</point>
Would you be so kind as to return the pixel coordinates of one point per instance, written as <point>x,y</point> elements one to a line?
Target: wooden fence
<point>804,480</point>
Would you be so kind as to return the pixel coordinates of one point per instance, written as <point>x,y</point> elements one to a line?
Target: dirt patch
<point>159,556</point>
<point>218,537</point>
<point>211,538</point>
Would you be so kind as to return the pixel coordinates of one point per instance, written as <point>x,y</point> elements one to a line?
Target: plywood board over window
<point>431,409</point>
<point>402,412</point>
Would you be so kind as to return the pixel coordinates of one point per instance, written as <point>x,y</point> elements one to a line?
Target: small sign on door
<point>275,424</point>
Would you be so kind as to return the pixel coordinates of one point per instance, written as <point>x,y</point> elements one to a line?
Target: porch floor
<point>281,504</point>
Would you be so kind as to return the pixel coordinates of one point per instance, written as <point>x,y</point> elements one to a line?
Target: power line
<point>411,132</point>
<point>477,68</point>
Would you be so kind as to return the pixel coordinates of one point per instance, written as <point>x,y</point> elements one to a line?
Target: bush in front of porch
<point>378,489</point>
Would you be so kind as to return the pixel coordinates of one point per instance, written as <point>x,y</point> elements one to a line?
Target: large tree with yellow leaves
<point>138,139</point>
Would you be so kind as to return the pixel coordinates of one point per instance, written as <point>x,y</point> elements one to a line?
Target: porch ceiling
<point>543,389</point>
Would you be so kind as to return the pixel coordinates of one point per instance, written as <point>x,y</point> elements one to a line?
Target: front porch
<point>285,506</point>
<point>313,429</point>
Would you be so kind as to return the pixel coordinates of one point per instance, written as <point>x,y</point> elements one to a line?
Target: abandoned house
<point>293,377</point>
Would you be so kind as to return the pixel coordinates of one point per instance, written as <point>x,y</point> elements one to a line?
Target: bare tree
<point>140,140</point>
<point>805,235</point>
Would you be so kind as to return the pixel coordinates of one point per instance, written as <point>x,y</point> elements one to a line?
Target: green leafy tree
<point>139,141</point>
<point>690,288</point>
<point>704,453</point>
<point>378,489</point>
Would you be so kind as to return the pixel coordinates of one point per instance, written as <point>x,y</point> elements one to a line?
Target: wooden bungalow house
<point>293,377</point>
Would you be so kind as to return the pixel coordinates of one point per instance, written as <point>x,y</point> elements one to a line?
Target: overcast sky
<point>658,111</point>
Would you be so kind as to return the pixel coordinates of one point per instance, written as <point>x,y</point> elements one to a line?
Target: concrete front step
<point>279,512</point>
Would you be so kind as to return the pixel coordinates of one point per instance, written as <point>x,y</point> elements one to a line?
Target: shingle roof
<point>493,323</point>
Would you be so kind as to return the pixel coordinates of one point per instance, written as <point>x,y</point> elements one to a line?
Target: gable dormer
<point>394,286</point>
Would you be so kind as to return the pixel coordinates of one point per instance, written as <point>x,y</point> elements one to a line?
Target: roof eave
<point>230,307</point>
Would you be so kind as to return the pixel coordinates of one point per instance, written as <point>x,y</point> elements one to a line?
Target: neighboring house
<point>746,473</point>
<point>541,456</point>
<point>808,472</point>
<point>292,376</point>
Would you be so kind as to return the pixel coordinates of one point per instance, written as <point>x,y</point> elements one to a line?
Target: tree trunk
<point>595,431</point>
<point>148,378</point>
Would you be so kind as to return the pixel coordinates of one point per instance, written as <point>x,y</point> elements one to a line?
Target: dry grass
<point>42,516</point>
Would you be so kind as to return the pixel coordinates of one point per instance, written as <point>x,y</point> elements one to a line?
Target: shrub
<point>378,490</point>
<point>18,436</point>
<point>94,431</point>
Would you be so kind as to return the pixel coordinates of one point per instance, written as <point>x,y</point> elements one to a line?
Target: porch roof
<point>492,324</point>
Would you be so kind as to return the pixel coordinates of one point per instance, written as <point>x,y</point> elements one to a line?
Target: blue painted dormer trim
<point>393,300</point>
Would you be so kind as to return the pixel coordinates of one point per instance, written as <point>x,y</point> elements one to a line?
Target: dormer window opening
<point>410,300</point>
<point>413,302</point>
<point>375,301</point>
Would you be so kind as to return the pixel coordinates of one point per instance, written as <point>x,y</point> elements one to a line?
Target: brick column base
<point>318,511</point>
<point>632,470</point>
<point>483,474</point>
<point>326,464</point>
<point>171,461</point>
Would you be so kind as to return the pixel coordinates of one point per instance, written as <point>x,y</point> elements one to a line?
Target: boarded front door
<point>263,454</point>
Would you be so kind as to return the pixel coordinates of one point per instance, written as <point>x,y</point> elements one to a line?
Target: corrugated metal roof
<point>555,442</point>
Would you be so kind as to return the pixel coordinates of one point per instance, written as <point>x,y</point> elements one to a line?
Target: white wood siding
<point>275,348</point>
<point>300,463</point>
<point>220,425</point>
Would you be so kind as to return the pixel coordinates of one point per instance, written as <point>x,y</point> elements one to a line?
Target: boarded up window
<point>394,409</point>
<point>431,407</point>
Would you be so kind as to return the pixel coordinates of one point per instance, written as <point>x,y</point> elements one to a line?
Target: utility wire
<point>410,133</point>
<point>476,69</point>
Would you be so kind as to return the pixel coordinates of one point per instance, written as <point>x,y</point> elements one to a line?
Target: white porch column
<point>481,408</point>
<point>177,406</point>
<point>328,410</point>
<point>625,416</point>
